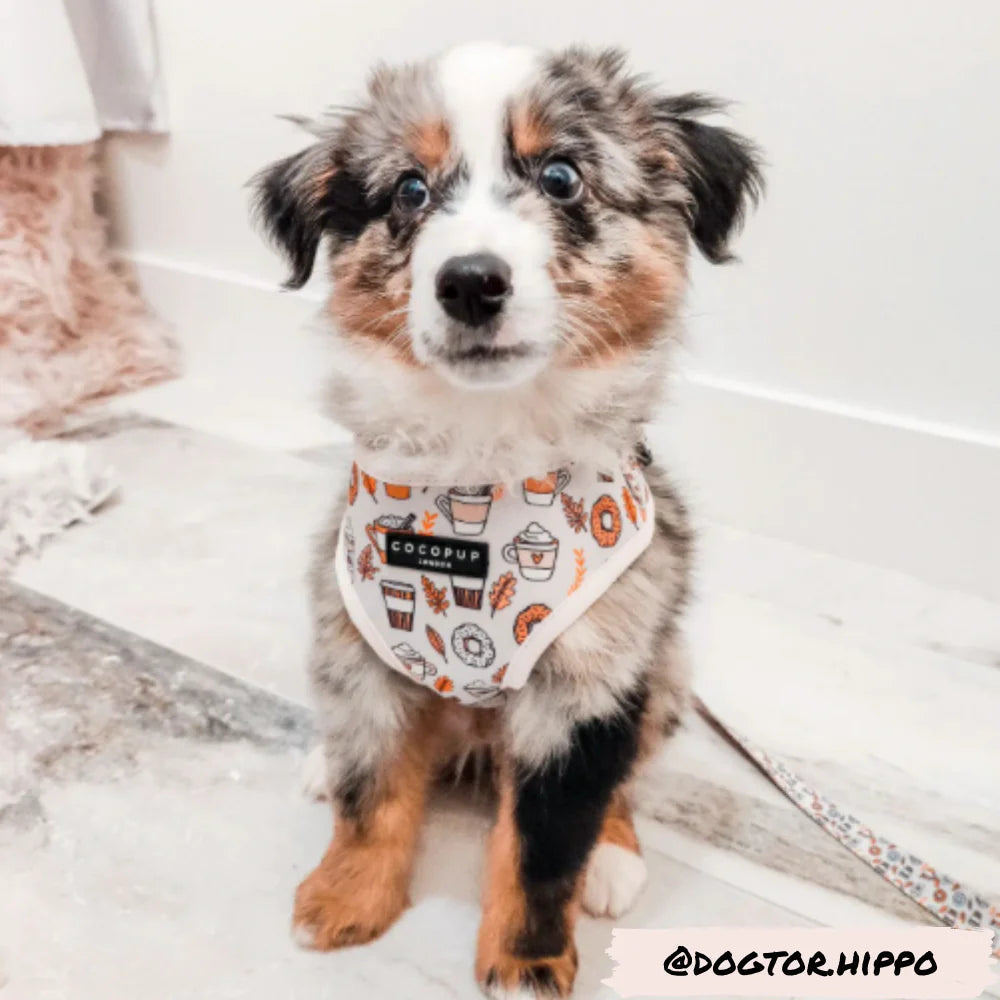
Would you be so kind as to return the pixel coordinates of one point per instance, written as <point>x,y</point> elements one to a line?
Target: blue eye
<point>561,182</point>
<point>412,194</point>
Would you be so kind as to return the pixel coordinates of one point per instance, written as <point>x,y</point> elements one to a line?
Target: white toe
<point>314,783</point>
<point>304,936</point>
<point>615,877</point>
<point>517,993</point>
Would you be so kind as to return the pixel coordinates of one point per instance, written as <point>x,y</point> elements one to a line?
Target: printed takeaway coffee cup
<point>468,591</point>
<point>400,602</point>
<point>535,551</point>
<point>542,492</point>
<point>381,526</point>
<point>466,508</point>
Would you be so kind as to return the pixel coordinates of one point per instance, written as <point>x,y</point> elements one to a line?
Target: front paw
<point>507,977</point>
<point>337,906</point>
<point>615,877</point>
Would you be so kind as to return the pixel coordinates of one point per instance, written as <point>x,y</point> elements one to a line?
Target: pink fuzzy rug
<point>73,327</point>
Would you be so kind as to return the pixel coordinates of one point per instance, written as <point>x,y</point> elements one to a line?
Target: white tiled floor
<point>882,691</point>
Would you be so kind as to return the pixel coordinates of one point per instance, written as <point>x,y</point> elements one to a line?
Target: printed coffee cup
<point>535,551</point>
<point>467,508</point>
<point>542,492</point>
<point>400,602</point>
<point>468,591</point>
<point>381,526</point>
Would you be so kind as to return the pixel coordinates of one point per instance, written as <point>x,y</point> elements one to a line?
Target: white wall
<point>855,347</point>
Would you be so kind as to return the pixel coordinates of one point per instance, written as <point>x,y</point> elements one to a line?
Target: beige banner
<point>882,962</point>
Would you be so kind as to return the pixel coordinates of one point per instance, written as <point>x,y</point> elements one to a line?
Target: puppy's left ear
<point>722,172</point>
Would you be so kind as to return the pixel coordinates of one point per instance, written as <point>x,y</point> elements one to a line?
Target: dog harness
<point>462,588</point>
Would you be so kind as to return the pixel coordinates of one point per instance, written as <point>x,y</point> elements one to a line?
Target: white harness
<point>462,588</point>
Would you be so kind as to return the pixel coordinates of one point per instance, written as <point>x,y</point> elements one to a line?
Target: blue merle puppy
<point>508,233</point>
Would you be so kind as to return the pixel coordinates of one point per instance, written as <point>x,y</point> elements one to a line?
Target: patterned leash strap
<point>948,900</point>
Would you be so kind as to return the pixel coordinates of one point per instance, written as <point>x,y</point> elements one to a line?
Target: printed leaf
<point>581,571</point>
<point>502,592</point>
<point>498,677</point>
<point>444,684</point>
<point>434,638</point>
<point>498,492</point>
<point>633,514</point>
<point>576,517</point>
<point>428,522</point>
<point>366,564</point>
<point>371,484</point>
<point>352,489</point>
<point>437,597</point>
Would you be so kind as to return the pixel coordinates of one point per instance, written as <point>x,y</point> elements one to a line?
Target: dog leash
<point>943,897</point>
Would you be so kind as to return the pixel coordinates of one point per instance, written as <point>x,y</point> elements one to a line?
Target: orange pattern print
<point>581,571</point>
<point>502,593</point>
<point>605,510</point>
<point>366,564</point>
<point>447,591</point>
<point>352,489</point>
<point>434,638</point>
<point>576,516</point>
<point>437,597</point>
<point>528,619</point>
<point>633,514</point>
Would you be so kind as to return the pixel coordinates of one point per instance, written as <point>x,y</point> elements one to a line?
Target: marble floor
<point>158,815</point>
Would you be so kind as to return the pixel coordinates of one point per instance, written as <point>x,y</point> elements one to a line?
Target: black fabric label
<point>437,555</point>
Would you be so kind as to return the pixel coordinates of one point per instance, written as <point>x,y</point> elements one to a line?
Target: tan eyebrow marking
<point>530,132</point>
<point>430,143</point>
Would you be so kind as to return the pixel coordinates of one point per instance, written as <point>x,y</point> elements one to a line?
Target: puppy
<point>508,233</point>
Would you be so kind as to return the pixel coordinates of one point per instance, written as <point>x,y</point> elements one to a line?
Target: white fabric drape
<point>72,69</point>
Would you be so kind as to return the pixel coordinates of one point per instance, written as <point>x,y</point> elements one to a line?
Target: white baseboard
<point>894,492</point>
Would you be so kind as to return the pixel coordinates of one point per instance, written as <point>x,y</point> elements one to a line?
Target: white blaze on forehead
<point>477,82</point>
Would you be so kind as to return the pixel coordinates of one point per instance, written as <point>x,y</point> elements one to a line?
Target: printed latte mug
<point>542,492</point>
<point>466,508</point>
<point>468,591</point>
<point>535,551</point>
<point>381,526</point>
<point>400,603</point>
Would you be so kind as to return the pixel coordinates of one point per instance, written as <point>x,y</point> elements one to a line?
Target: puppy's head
<point>499,211</point>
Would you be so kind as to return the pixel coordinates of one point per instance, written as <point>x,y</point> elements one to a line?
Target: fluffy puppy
<point>573,190</point>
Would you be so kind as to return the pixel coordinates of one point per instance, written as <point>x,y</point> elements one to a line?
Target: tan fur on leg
<point>361,886</point>
<point>618,827</point>
<point>503,964</point>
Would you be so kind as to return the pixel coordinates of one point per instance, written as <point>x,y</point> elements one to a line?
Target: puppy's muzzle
<point>472,289</point>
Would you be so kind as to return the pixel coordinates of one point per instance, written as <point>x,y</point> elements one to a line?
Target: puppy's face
<point>498,211</point>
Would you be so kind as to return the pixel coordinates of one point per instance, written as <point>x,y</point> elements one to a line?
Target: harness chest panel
<point>462,588</point>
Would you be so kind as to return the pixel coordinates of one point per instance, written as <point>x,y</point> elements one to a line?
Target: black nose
<point>472,289</point>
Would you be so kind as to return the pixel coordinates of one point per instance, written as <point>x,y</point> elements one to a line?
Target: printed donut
<point>605,537</point>
<point>473,646</point>
<point>528,619</point>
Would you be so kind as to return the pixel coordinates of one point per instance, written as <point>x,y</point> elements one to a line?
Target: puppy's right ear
<point>292,205</point>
